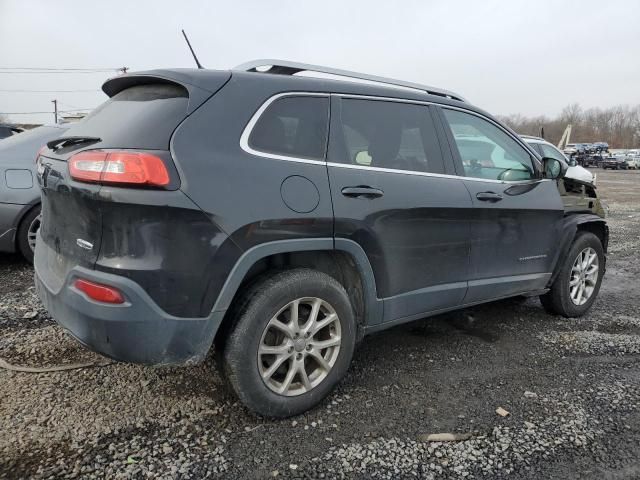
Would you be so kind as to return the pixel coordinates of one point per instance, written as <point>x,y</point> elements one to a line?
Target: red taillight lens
<point>115,167</point>
<point>99,292</point>
<point>42,149</point>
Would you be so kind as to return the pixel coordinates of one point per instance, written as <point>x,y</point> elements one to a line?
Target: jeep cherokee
<point>280,217</point>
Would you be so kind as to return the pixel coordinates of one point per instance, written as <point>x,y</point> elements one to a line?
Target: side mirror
<point>553,168</point>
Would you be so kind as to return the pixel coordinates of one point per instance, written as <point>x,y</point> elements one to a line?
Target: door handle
<point>489,196</point>
<point>362,191</point>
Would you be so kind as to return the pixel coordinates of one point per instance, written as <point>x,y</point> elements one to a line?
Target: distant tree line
<point>619,126</point>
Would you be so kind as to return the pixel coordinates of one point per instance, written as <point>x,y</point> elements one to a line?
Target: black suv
<point>281,218</point>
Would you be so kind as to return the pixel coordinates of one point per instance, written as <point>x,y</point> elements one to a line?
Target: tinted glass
<point>487,151</point>
<point>293,126</point>
<point>549,151</point>
<point>142,116</point>
<point>385,134</point>
<point>5,132</point>
<point>535,146</point>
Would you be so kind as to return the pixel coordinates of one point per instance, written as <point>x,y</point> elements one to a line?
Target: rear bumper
<point>137,331</point>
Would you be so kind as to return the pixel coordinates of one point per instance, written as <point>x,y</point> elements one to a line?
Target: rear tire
<point>302,371</point>
<point>27,233</point>
<point>565,296</point>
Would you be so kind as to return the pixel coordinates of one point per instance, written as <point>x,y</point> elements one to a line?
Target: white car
<point>547,149</point>
<point>633,162</point>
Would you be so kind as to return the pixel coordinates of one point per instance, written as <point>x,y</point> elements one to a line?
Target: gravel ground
<point>571,387</point>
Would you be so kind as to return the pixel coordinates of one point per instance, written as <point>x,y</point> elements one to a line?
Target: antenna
<point>192,52</point>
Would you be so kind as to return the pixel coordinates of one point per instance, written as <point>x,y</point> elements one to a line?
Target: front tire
<point>578,282</point>
<point>292,342</point>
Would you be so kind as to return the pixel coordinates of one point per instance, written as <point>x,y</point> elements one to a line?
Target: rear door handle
<point>362,191</point>
<point>489,196</point>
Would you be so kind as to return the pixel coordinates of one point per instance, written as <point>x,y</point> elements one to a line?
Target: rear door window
<point>390,135</point>
<point>293,126</point>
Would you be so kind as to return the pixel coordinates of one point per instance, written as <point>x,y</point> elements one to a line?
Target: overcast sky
<point>510,56</point>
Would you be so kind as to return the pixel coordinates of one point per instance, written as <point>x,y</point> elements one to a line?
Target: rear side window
<point>385,134</point>
<point>293,127</point>
<point>141,116</point>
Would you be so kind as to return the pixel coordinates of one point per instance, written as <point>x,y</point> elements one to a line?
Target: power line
<point>68,105</point>
<point>22,113</point>
<point>38,113</point>
<point>48,91</point>
<point>104,69</point>
<point>46,72</point>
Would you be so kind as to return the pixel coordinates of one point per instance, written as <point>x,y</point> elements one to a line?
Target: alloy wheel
<point>299,346</point>
<point>584,276</point>
<point>32,232</point>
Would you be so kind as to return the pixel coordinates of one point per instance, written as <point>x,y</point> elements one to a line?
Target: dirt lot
<point>572,388</point>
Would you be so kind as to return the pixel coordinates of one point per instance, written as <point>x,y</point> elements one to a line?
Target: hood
<point>579,173</point>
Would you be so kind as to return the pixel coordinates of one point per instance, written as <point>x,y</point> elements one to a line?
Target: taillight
<point>42,149</point>
<point>118,167</point>
<point>99,292</point>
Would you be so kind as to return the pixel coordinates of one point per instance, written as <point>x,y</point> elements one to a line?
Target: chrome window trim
<point>246,133</point>
<point>429,174</point>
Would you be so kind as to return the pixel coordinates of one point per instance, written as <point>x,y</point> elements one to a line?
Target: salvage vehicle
<point>615,162</point>
<point>594,160</point>
<point>19,192</point>
<point>546,149</point>
<point>633,162</point>
<point>280,218</point>
<point>575,149</point>
<point>600,147</point>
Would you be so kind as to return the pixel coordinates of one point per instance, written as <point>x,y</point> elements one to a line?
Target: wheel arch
<point>342,259</point>
<point>572,225</point>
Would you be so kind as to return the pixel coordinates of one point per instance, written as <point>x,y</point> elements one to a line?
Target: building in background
<point>72,117</point>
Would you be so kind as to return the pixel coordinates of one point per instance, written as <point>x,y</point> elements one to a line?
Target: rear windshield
<point>142,116</point>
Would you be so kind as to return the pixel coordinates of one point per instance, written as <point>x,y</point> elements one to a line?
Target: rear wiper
<point>68,141</point>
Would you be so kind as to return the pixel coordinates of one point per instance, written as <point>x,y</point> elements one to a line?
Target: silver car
<point>633,161</point>
<point>19,191</point>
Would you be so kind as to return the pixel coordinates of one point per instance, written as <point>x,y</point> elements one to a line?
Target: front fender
<point>573,223</point>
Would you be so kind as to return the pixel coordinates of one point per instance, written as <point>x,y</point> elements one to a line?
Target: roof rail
<point>283,67</point>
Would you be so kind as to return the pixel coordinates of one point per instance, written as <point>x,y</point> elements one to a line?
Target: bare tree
<point>619,126</point>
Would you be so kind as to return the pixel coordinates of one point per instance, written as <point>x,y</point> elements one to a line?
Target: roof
<point>533,138</point>
<point>285,67</point>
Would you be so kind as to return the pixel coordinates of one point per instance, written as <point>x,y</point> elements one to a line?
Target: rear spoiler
<point>199,84</point>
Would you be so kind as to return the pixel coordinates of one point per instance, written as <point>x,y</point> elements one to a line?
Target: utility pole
<point>55,110</point>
